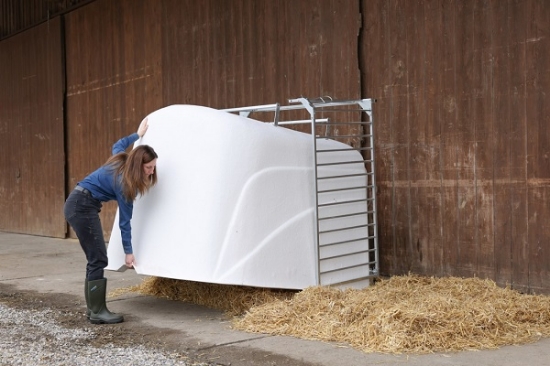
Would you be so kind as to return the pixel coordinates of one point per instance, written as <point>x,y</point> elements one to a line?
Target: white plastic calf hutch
<point>244,202</point>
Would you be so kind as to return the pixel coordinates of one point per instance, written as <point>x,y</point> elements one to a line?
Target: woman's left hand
<point>143,126</point>
<point>129,260</point>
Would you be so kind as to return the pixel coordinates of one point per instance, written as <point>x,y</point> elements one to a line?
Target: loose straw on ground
<point>404,314</point>
<point>233,300</point>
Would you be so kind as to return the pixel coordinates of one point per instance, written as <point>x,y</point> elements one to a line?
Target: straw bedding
<point>403,314</point>
<point>233,300</point>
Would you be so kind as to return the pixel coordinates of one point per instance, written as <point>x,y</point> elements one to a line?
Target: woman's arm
<point>122,144</point>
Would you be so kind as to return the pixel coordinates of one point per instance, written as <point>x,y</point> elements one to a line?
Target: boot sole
<point>99,321</point>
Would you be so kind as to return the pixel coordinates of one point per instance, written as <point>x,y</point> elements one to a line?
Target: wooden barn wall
<point>19,15</point>
<point>463,136</point>
<point>128,58</point>
<point>233,53</point>
<point>32,183</point>
<point>114,78</point>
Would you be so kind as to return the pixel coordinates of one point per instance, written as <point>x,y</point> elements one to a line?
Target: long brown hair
<point>129,166</point>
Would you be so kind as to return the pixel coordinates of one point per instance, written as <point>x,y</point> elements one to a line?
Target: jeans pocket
<point>69,209</point>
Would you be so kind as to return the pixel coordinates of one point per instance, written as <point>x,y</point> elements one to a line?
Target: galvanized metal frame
<point>321,106</point>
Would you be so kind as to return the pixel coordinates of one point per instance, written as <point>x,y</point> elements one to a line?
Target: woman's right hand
<point>143,126</point>
<point>129,260</point>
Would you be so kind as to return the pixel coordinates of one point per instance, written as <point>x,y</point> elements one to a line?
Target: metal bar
<point>345,228</point>
<point>341,136</point>
<point>254,108</point>
<point>343,163</point>
<point>302,122</point>
<point>342,283</point>
<point>277,113</point>
<point>346,176</point>
<point>342,189</point>
<point>315,196</point>
<point>263,108</point>
<point>344,255</point>
<point>347,267</point>
<point>325,104</point>
<point>345,215</point>
<point>367,105</point>
<point>350,149</point>
<point>344,202</point>
<point>329,109</point>
<point>367,238</point>
<point>322,103</point>
<point>348,123</point>
<point>370,250</point>
<point>355,162</point>
<point>307,104</point>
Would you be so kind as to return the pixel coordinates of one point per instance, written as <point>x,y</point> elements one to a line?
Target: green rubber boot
<point>86,297</point>
<point>99,314</point>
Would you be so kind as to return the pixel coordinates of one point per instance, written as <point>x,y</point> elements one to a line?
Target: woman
<point>121,178</point>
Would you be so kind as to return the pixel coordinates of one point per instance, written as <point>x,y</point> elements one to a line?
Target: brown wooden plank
<point>511,210</point>
<point>397,93</point>
<point>519,265</point>
<point>482,124</point>
<point>374,52</point>
<point>31,111</point>
<point>428,154</point>
<point>416,140</point>
<point>446,108</point>
<point>498,67</point>
<point>458,108</point>
<point>538,149</point>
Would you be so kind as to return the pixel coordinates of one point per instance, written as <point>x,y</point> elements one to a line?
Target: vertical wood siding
<point>114,77</point>
<point>463,136</point>
<point>32,183</point>
<point>231,53</point>
<point>20,15</point>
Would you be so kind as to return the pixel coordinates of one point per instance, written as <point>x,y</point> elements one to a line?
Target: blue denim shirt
<point>105,186</point>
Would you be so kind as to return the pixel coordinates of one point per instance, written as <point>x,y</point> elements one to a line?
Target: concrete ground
<point>56,266</point>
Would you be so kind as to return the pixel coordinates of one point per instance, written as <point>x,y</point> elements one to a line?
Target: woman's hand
<point>129,260</point>
<point>143,126</point>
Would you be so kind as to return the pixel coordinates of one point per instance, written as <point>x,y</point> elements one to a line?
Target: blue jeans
<point>82,213</point>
